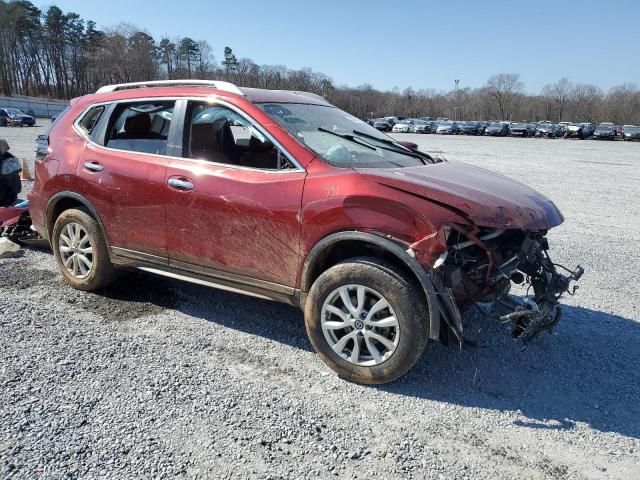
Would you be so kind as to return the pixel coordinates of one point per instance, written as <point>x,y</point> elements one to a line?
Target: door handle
<point>93,166</point>
<point>180,184</point>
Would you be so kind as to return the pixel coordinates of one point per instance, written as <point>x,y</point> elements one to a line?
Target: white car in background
<point>403,126</point>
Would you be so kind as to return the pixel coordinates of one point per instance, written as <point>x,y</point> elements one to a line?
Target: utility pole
<point>455,99</point>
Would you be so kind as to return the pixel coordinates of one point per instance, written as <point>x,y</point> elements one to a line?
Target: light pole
<point>455,99</point>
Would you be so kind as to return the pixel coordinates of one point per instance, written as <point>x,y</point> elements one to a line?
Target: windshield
<point>446,124</point>
<point>341,139</point>
<point>495,124</point>
<point>605,128</point>
<point>632,129</point>
<point>14,111</point>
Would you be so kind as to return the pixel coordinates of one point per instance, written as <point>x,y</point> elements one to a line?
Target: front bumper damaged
<point>483,265</point>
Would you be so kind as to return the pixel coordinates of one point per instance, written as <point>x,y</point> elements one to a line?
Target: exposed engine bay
<point>481,265</point>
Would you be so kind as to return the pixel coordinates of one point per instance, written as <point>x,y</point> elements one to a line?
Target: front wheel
<point>367,320</point>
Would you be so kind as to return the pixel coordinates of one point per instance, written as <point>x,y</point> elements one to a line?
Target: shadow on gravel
<point>589,371</point>
<point>276,321</point>
<point>132,295</point>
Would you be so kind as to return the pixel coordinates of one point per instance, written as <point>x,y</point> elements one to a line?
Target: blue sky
<point>423,44</point>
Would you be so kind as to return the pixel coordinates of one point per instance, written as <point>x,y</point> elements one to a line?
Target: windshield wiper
<point>378,139</point>
<point>351,138</point>
<point>408,152</point>
<point>357,141</point>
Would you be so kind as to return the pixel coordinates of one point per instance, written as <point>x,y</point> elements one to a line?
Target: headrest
<point>4,146</point>
<point>140,123</point>
<point>202,134</point>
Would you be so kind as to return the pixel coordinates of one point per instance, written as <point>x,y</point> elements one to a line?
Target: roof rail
<point>305,94</point>
<point>224,86</point>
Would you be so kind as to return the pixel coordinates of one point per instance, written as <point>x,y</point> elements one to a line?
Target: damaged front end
<point>482,264</point>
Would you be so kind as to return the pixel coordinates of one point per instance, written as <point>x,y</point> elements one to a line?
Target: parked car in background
<point>579,130</point>
<point>550,130</point>
<point>421,126</point>
<point>497,129</point>
<point>403,126</point>
<point>631,132</point>
<point>16,117</point>
<point>522,130</point>
<point>605,132</point>
<point>176,178</point>
<point>433,126</point>
<point>392,120</point>
<point>448,128</point>
<point>562,129</point>
<point>382,125</point>
<point>470,128</point>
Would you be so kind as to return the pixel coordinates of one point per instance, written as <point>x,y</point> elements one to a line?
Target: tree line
<point>60,55</point>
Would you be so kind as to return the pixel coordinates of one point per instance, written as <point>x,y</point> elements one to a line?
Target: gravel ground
<point>154,378</point>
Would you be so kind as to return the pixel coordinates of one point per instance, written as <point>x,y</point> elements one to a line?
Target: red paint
<point>263,224</point>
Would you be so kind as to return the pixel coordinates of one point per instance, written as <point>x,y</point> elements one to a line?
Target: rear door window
<point>140,127</point>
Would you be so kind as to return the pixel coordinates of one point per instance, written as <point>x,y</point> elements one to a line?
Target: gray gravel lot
<point>154,378</point>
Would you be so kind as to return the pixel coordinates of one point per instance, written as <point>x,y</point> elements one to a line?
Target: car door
<point>122,173</point>
<point>233,200</point>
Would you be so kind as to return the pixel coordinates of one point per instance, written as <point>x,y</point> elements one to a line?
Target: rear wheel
<point>367,320</point>
<point>81,251</point>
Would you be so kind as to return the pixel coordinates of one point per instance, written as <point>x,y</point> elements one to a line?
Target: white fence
<point>42,107</point>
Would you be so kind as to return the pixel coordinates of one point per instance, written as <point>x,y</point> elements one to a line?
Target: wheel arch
<point>62,201</point>
<point>340,246</point>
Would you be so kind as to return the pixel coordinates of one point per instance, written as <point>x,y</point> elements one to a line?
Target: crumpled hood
<point>488,198</point>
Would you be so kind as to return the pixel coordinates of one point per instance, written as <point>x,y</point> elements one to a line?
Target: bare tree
<point>558,94</point>
<point>585,102</point>
<point>504,88</point>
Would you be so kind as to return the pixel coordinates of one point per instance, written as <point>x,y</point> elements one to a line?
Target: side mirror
<point>410,145</point>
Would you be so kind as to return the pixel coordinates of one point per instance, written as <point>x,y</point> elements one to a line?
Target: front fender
<point>401,254</point>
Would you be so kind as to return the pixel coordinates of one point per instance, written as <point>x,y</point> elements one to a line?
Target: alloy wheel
<point>360,325</point>
<point>76,251</point>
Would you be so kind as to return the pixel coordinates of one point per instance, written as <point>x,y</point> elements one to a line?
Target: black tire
<point>404,297</point>
<point>102,271</point>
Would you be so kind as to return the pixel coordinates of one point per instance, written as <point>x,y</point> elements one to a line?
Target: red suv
<point>280,195</point>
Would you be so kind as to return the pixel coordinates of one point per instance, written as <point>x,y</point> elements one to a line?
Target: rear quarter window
<point>89,120</point>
